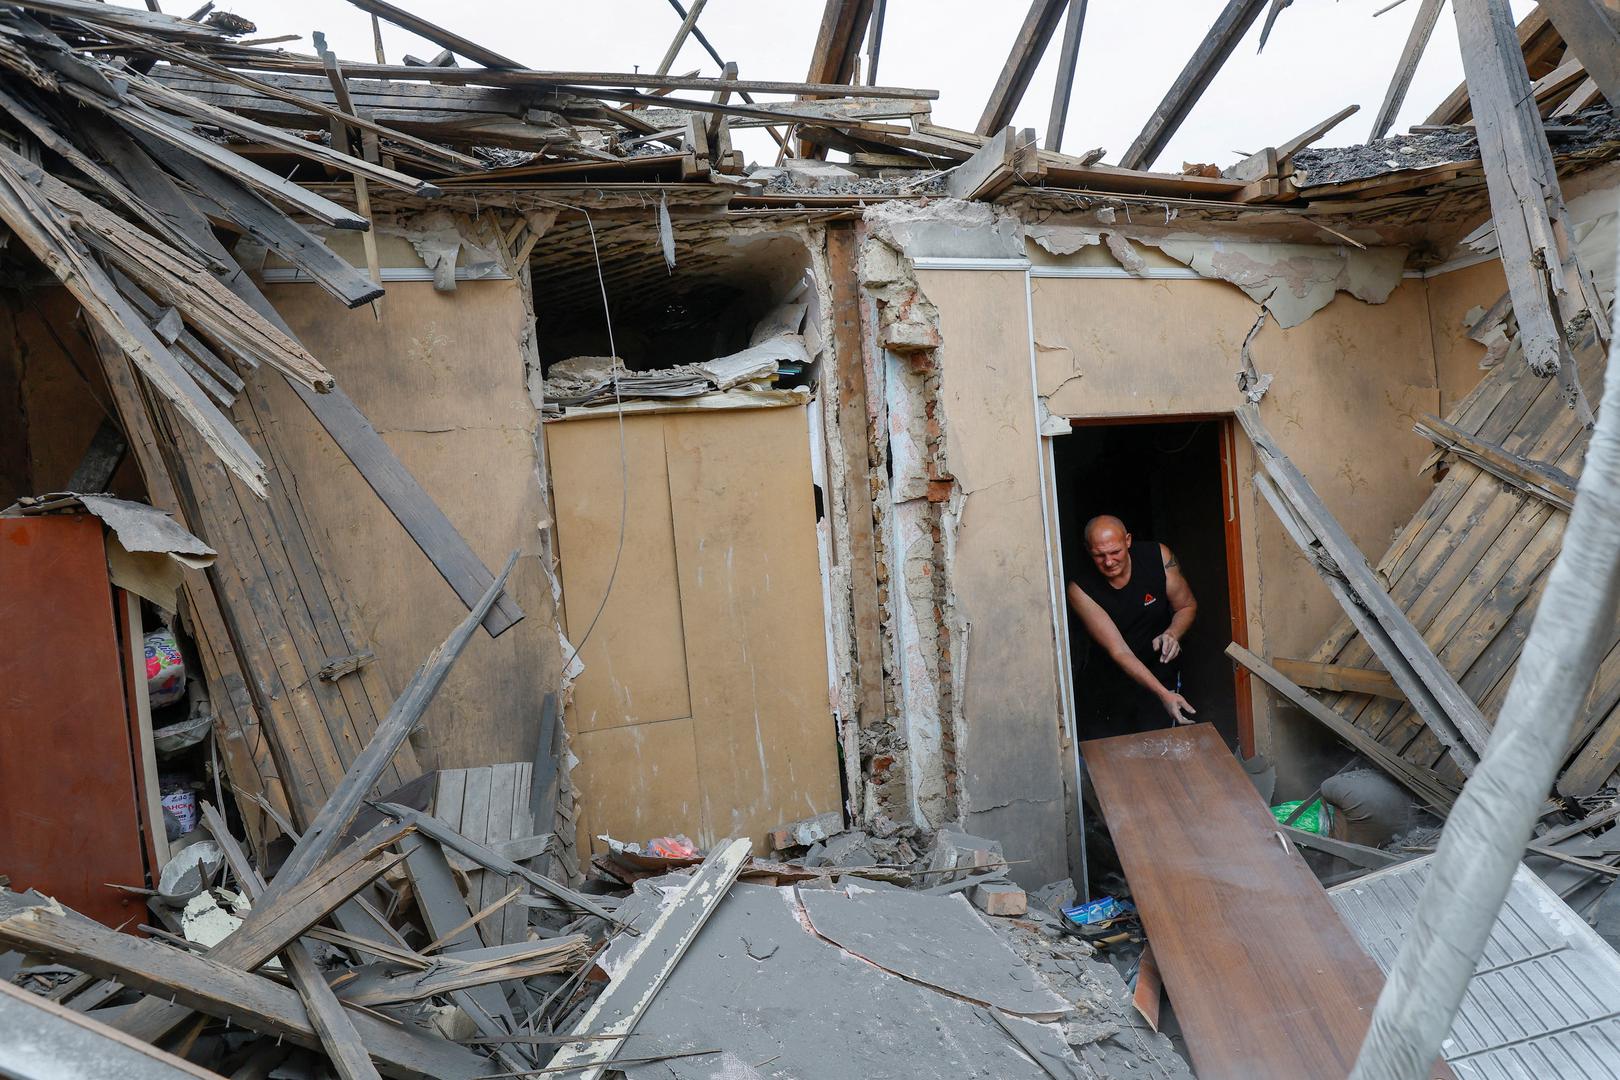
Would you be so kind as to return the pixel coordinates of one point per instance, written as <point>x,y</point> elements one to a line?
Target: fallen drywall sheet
<point>760,983</point>
<point>939,941</point>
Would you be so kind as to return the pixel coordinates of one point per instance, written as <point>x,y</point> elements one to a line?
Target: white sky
<point>1321,57</point>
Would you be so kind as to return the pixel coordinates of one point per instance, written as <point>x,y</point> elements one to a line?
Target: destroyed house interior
<point>679,575</point>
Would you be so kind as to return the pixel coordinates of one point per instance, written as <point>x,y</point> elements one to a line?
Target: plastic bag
<point>1314,820</point>
<point>165,669</point>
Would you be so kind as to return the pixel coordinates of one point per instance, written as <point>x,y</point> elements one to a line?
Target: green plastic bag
<point>1313,820</point>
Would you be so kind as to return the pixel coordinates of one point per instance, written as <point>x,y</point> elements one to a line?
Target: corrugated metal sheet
<point>1545,1000</point>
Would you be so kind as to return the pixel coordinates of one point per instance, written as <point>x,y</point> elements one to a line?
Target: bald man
<point>1137,607</point>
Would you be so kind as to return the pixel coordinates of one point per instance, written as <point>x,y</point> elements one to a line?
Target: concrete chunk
<point>997,898</point>
<point>811,830</point>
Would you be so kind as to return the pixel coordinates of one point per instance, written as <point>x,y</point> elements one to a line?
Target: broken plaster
<point>1293,281</point>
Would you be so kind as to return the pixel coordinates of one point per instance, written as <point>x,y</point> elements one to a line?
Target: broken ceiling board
<point>938,941</point>
<point>1542,998</point>
<point>646,966</point>
<point>757,961</point>
<point>1229,28</point>
<point>1267,981</point>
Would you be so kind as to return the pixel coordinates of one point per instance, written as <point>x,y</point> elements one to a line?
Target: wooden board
<point>713,635</point>
<point>489,804</point>
<point>67,782</point>
<point>635,665</point>
<point>756,647</point>
<point>1266,979</point>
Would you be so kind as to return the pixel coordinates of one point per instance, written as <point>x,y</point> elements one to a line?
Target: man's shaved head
<point>1104,524</point>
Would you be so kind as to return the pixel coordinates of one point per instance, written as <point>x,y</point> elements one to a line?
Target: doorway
<point>1169,481</point>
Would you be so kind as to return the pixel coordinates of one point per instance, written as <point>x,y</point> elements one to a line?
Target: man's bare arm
<point>1108,638</point>
<point>1183,605</point>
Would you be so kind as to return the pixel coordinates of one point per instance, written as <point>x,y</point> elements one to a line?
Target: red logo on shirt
<point>1147,599</point>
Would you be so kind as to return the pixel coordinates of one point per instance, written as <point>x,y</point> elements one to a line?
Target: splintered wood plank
<point>447,800</point>
<point>1267,981</point>
<point>475,826</point>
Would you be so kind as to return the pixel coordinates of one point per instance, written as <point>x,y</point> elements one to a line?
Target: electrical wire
<point>624,459</point>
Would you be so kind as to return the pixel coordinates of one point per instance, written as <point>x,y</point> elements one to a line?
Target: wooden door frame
<point>1232,522</point>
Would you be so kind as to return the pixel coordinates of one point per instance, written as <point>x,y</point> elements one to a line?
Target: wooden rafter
<point>1422,27</point>
<point>1063,89</point>
<point>1233,22</point>
<point>1592,36</point>
<point>1027,49</point>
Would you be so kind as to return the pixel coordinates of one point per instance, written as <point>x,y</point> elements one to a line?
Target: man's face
<point>1111,550</point>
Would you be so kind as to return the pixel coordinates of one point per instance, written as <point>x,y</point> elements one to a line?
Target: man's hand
<point>1168,645</point>
<point>1176,705</point>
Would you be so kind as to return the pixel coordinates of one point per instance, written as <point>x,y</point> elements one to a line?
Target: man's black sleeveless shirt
<point>1140,610</point>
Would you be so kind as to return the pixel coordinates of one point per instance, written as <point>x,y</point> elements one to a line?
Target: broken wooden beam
<point>1433,692</point>
<point>441,37</point>
<point>688,23</point>
<point>1546,482</point>
<point>1338,678</point>
<point>1063,87</point>
<point>1233,22</point>
<point>1416,779</point>
<point>1527,206</point>
<point>838,41</point>
<point>437,830</point>
<point>1422,28</point>
<point>990,171</point>
<point>1028,46</point>
<point>1591,35</point>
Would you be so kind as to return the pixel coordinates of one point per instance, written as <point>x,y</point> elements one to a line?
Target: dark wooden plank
<point>441,37</point>
<point>838,41</point>
<point>1537,478</point>
<point>1028,46</point>
<point>1063,87</point>
<point>1230,26</point>
<point>219,989</point>
<point>1428,14</point>
<point>101,459</point>
<point>1268,983</point>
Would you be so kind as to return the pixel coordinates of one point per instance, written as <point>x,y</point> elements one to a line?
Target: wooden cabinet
<point>72,782</point>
